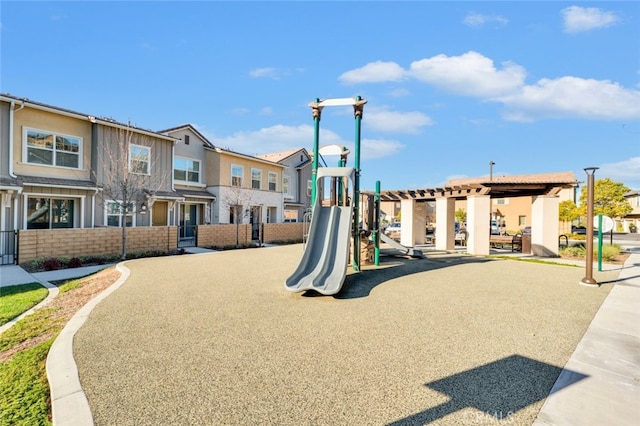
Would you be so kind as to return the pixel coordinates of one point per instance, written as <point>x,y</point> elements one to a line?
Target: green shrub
<point>580,251</point>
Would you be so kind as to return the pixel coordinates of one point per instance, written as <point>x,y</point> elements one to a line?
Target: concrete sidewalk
<point>601,382</point>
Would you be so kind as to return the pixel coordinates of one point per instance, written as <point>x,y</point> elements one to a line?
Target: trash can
<point>633,229</point>
<point>526,244</point>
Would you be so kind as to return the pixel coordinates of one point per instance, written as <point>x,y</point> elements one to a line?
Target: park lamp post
<point>588,279</point>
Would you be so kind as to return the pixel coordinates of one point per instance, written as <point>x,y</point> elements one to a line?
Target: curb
<point>53,291</point>
<point>69,403</point>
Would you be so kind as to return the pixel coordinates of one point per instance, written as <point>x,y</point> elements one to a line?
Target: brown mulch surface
<point>63,307</point>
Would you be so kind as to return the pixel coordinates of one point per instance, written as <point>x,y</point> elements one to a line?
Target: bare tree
<point>129,172</point>
<point>238,202</point>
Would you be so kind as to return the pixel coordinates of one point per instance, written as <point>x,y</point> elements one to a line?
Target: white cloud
<point>240,111</point>
<point>573,97</point>
<point>275,139</point>
<point>477,19</point>
<point>626,171</point>
<point>374,72</point>
<point>473,74</point>
<point>470,74</point>
<point>266,72</point>
<point>266,110</point>
<point>378,148</point>
<point>381,119</point>
<point>578,19</point>
<point>400,92</point>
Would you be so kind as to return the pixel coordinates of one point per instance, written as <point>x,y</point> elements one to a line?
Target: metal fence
<point>8,247</point>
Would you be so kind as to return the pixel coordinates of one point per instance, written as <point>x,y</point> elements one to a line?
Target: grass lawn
<point>24,389</point>
<point>16,299</point>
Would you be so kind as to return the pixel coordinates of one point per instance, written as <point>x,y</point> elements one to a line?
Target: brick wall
<point>93,241</point>
<point>223,235</point>
<point>35,243</point>
<point>283,232</point>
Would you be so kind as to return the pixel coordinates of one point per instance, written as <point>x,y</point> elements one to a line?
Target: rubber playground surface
<point>216,339</point>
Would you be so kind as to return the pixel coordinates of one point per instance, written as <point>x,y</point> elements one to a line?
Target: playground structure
<point>335,219</point>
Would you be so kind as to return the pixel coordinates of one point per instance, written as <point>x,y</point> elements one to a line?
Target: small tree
<point>237,201</point>
<point>608,199</point>
<point>461,216</point>
<point>568,212</point>
<point>127,174</point>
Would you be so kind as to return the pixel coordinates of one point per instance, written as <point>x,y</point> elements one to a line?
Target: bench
<point>515,241</point>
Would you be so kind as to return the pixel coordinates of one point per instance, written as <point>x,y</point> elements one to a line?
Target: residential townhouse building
<point>59,169</point>
<point>631,222</point>
<point>248,189</point>
<point>189,174</point>
<point>296,182</point>
<point>221,186</point>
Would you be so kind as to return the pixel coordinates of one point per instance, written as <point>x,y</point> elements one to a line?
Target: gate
<point>8,247</point>
<point>187,236</point>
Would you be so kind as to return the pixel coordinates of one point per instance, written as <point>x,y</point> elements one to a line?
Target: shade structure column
<point>445,223</point>
<point>406,221</point>
<point>478,224</point>
<point>545,222</point>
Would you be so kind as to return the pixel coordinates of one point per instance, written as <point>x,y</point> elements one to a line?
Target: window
<point>114,214</point>
<point>236,175</point>
<point>139,159</point>
<point>522,220</point>
<point>186,170</point>
<point>53,149</point>
<point>49,213</point>
<point>272,214</point>
<point>501,201</point>
<point>309,188</point>
<point>186,139</point>
<point>272,181</point>
<point>285,184</point>
<point>256,178</point>
<point>291,215</point>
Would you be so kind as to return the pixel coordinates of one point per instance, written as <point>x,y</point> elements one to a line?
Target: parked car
<point>393,228</point>
<point>495,229</point>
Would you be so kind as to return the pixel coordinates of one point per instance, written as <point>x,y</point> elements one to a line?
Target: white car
<point>393,228</point>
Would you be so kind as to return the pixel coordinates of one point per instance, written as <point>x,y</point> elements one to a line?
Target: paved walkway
<point>447,339</point>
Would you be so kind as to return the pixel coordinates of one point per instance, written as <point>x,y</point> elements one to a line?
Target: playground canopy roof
<point>496,187</point>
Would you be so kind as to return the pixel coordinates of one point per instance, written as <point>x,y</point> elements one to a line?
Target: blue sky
<point>535,87</point>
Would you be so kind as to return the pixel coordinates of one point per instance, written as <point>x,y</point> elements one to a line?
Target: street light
<point>491,164</point>
<point>588,279</point>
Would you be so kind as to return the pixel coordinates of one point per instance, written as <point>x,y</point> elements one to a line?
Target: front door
<point>159,216</point>
<point>188,223</point>
<point>255,223</point>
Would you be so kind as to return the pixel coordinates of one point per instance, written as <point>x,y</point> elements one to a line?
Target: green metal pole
<point>376,226</point>
<point>356,188</point>
<point>599,243</point>
<point>316,153</point>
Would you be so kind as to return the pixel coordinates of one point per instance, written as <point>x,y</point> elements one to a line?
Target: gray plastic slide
<point>324,262</point>
<point>410,251</point>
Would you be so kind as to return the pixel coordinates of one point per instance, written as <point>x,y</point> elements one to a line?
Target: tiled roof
<point>101,120</point>
<point>195,193</point>
<point>48,181</point>
<point>190,127</point>
<point>279,156</point>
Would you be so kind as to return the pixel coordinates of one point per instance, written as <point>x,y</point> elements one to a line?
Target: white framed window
<point>50,213</point>
<point>256,178</point>
<point>236,175</point>
<point>309,188</point>
<point>501,201</point>
<point>273,179</point>
<point>285,185</point>
<point>113,214</point>
<point>139,158</point>
<point>52,148</point>
<point>186,170</point>
<point>291,215</point>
